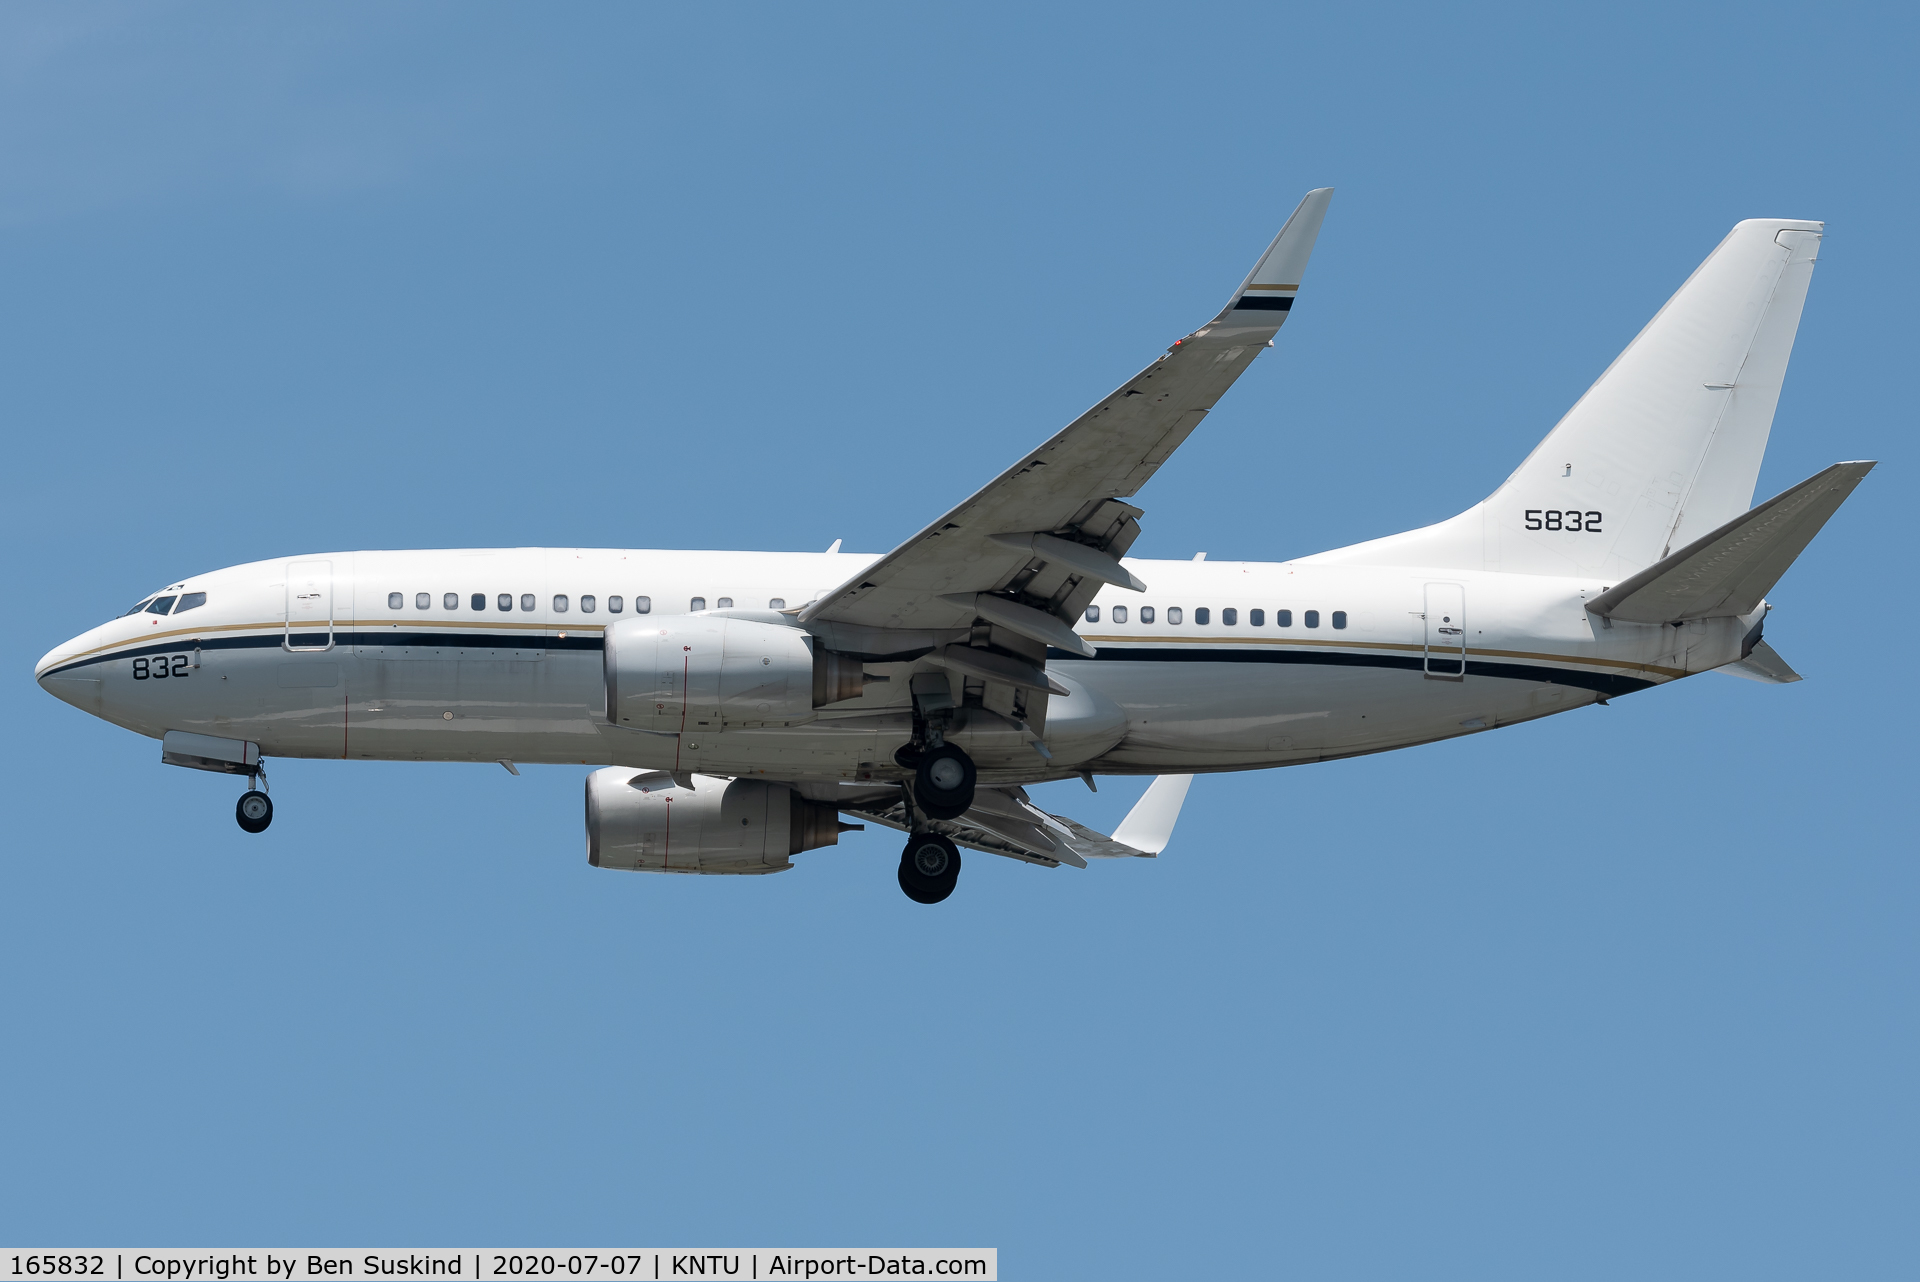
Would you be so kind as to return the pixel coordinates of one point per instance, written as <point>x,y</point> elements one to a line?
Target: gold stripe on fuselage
<point>1382,645</point>
<point>337,625</point>
<point>357,625</point>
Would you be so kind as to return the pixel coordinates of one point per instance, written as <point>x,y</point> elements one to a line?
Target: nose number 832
<point>159,667</point>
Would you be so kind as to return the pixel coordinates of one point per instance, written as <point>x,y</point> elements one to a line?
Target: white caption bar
<point>286,1264</point>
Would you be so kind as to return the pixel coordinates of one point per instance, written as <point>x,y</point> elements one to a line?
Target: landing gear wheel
<point>254,812</point>
<point>929,868</point>
<point>943,782</point>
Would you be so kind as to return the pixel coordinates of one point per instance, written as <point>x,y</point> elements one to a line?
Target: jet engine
<point>689,671</point>
<point>642,821</point>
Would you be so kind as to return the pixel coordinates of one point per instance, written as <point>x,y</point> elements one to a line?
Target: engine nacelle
<point>707,672</point>
<point>644,822</point>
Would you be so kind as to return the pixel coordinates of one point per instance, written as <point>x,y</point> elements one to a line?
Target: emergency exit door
<point>1446,650</point>
<point>309,605</point>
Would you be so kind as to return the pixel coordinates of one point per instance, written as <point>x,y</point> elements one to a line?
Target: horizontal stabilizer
<point>1762,664</point>
<point>1728,571</point>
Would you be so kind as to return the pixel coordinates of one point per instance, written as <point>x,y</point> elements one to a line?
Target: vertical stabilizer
<point>1665,447</point>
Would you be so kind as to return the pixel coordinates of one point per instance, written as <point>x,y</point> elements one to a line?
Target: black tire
<point>929,850</point>
<point>943,782</point>
<point>254,811</point>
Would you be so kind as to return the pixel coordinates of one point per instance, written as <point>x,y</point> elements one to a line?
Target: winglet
<point>1271,285</point>
<point>1149,825</point>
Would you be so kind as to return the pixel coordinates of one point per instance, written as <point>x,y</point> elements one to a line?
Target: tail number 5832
<point>1549,519</point>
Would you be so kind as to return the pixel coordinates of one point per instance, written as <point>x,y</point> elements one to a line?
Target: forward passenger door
<point>309,606</point>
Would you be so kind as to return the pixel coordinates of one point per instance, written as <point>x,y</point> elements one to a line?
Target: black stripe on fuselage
<point>343,640</point>
<point>1264,303</point>
<point>1605,683</point>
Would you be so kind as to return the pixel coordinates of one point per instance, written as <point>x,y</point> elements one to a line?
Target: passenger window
<point>1202,615</point>
<point>616,604</point>
<point>191,601</point>
<point>527,602</point>
<point>451,601</point>
<point>560,603</point>
<point>725,603</point>
<point>479,601</point>
<point>136,609</point>
<point>396,600</point>
<point>1256,618</point>
<point>161,604</point>
<point>643,605</point>
<point>1093,614</point>
<point>1146,614</point>
<point>1175,615</point>
<point>505,603</point>
<point>1229,616</point>
<point>1119,614</point>
<point>698,603</point>
<point>1313,618</point>
<point>423,600</point>
<point>777,603</point>
<point>1283,618</point>
<point>1339,618</point>
<point>588,604</point>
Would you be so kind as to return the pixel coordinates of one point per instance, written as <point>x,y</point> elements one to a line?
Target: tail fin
<point>1665,447</point>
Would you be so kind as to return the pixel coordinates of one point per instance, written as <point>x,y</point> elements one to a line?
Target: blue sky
<point>1629,991</point>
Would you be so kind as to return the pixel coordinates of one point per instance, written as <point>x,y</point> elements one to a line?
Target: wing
<point>1026,553</point>
<point>1004,821</point>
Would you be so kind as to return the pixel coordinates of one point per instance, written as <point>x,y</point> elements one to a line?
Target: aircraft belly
<point>1226,715</point>
<point>337,704</point>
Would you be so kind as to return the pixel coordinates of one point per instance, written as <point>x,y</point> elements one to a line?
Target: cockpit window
<point>161,604</point>
<point>136,609</point>
<point>191,601</point>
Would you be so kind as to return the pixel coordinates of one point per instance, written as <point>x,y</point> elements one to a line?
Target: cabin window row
<point>1229,617</point>
<point>527,602</point>
<point>504,602</point>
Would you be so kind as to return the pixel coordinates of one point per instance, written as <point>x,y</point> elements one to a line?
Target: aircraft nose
<point>77,686</point>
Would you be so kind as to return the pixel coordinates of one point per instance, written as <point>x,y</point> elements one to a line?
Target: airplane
<point>738,704</point>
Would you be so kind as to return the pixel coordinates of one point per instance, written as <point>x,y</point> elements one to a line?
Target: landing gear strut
<point>943,782</point>
<point>929,868</point>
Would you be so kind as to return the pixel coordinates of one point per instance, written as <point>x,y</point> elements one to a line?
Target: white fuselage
<point>311,657</point>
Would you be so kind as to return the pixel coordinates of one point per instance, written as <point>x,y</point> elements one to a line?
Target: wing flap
<point>1003,821</point>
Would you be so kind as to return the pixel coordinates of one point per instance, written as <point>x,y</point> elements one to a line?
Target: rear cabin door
<point>1446,650</point>
<point>309,605</point>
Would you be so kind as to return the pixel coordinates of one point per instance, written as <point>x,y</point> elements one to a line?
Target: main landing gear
<point>943,786</point>
<point>943,782</point>
<point>929,868</point>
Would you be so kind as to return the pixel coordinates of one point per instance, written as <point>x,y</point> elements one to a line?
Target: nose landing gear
<point>254,812</point>
<point>929,868</point>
